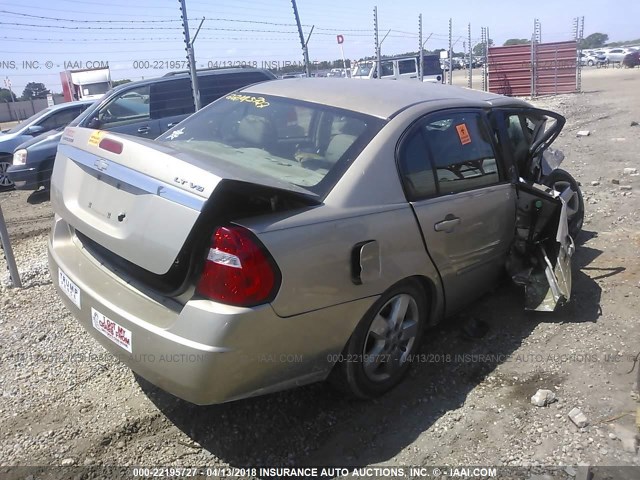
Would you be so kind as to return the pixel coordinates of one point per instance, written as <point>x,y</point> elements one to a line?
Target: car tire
<point>5,182</point>
<point>559,179</point>
<point>590,63</point>
<point>379,352</point>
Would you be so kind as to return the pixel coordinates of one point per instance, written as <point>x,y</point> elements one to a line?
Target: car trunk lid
<point>142,201</point>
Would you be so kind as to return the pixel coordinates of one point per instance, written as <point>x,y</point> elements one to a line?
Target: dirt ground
<point>466,402</point>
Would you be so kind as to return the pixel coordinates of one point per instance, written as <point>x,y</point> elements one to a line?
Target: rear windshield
<point>303,144</point>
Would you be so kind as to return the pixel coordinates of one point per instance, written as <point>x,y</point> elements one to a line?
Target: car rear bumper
<point>203,352</point>
<point>24,177</point>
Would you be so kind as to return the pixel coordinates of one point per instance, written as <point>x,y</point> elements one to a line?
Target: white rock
<point>630,171</point>
<point>630,444</point>
<point>578,418</point>
<point>67,462</point>
<point>543,397</point>
<point>583,133</point>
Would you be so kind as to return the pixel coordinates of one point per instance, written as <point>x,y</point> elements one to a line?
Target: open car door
<point>540,256</point>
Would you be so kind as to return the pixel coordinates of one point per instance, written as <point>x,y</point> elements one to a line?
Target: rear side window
<point>415,165</point>
<point>387,69</point>
<point>448,153</point>
<point>406,66</point>
<point>172,98</point>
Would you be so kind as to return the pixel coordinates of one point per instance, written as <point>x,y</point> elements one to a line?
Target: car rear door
<point>463,203</point>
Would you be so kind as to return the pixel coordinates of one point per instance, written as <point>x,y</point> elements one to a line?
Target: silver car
<point>307,229</point>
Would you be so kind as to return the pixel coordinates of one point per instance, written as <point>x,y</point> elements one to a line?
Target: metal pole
<point>8,253</point>
<point>533,65</point>
<point>555,72</point>
<point>470,60</point>
<point>375,35</point>
<point>486,57</point>
<point>305,51</point>
<point>450,53</point>
<point>579,32</point>
<point>420,55</point>
<point>306,48</point>
<point>190,56</point>
<point>7,83</point>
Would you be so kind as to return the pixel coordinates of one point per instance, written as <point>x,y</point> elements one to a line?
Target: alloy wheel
<point>4,179</point>
<point>390,338</point>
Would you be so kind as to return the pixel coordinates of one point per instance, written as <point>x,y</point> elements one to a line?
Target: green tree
<point>595,40</point>
<point>5,95</point>
<point>34,90</point>
<point>516,41</point>
<point>120,82</point>
<point>478,50</point>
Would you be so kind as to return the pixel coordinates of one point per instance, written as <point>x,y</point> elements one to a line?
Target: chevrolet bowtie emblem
<point>101,164</point>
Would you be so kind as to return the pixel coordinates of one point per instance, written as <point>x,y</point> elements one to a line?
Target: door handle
<point>448,224</point>
<point>144,130</point>
<point>172,124</point>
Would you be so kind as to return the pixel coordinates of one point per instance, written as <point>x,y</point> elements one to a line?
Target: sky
<point>143,39</point>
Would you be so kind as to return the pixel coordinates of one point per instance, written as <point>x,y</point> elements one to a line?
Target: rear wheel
<point>379,352</point>
<point>559,180</point>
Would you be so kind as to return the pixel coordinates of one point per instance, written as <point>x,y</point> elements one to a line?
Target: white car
<point>616,55</point>
<point>592,58</point>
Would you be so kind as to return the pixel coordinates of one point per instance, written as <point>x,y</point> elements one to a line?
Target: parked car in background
<point>401,68</point>
<point>45,120</point>
<point>632,59</point>
<point>616,55</point>
<point>146,108</point>
<point>306,229</point>
<point>592,59</point>
<point>294,75</point>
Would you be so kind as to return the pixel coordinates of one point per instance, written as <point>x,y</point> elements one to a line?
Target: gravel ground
<point>466,402</point>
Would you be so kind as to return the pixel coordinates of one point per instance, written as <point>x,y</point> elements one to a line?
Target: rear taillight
<point>238,269</point>
<point>111,146</point>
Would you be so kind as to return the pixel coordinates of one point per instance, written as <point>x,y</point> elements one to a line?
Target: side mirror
<point>35,130</point>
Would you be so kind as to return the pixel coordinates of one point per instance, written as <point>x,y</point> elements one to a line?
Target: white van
<point>399,68</point>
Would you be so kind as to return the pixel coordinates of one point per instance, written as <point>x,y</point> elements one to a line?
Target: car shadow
<point>316,425</point>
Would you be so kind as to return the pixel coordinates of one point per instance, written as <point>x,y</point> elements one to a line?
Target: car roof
<point>379,98</point>
<point>60,106</point>
<point>172,76</point>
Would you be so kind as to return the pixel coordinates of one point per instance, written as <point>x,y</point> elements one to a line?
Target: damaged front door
<point>528,133</point>
<point>540,256</point>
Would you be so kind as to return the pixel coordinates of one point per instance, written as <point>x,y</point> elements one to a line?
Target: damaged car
<point>307,229</point>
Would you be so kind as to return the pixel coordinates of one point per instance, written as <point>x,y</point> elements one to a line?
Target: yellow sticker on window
<point>259,102</point>
<point>95,137</point>
<point>463,134</point>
